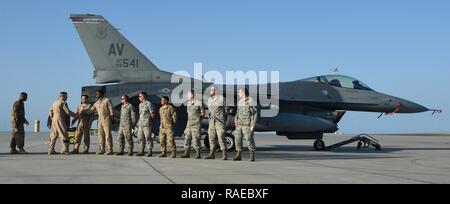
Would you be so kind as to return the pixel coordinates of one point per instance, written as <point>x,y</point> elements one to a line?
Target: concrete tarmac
<point>419,158</point>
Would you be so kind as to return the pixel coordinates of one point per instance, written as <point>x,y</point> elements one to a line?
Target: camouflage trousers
<point>241,132</point>
<point>145,138</point>
<point>192,137</point>
<point>18,136</point>
<point>125,134</point>
<point>216,129</point>
<point>167,140</point>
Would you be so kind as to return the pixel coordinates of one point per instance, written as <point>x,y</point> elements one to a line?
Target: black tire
<point>378,147</point>
<point>206,142</point>
<point>360,144</point>
<point>319,145</point>
<point>230,143</point>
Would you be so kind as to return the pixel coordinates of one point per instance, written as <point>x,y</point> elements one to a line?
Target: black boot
<point>86,151</point>
<point>130,151</point>
<point>13,151</point>
<point>22,151</point>
<point>162,155</point>
<point>121,153</point>
<point>75,152</point>
<point>150,152</point>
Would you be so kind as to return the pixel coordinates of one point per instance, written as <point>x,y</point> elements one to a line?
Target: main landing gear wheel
<point>359,147</point>
<point>319,145</point>
<point>230,143</point>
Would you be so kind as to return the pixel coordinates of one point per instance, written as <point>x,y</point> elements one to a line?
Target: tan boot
<point>109,153</point>
<point>162,155</point>
<point>224,155</point>
<point>197,154</point>
<point>174,155</point>
<point>252,157</point>
<point>186,154</point>
<point>212,154</point>
<point>238,156</point>
<point>52,152</point>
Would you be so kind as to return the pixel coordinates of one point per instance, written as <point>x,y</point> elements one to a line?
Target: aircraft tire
<point>319,145</point>
<point>378,147</point>
<point>230,142</point>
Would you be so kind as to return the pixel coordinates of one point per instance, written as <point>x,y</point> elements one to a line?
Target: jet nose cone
<point>411,107</point>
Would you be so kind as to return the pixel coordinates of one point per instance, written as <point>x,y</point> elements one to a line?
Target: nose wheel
<point>319,145</point>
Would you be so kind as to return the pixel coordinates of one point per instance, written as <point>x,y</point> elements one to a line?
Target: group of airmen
<point>60,115</point>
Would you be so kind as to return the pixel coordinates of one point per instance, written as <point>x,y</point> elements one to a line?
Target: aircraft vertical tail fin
<point>114,58</point>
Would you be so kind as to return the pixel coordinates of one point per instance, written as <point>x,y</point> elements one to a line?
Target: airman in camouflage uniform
<point>146,114</point>
<point>245,123</point>
<point>168,120</point>
<point>18,121</point>
<point>217,120</point>
<point>127,122</point>
<point>192,133</point>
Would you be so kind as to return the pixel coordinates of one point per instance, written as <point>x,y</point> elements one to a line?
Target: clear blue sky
<point>399,47</point>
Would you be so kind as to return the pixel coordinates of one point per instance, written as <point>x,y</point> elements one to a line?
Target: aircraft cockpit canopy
<point>340,81</point>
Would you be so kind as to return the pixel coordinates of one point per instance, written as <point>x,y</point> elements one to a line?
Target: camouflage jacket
<point>194,111</point>
<point>168,116</point>
<point>246,113</point>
